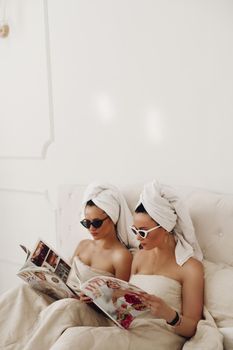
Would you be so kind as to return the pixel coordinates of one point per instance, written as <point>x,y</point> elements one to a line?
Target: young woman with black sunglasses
<point>107,218</point>
<point>104,252</point>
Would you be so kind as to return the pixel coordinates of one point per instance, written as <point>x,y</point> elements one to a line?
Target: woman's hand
<point>158,307</point>
<point>84,298</point>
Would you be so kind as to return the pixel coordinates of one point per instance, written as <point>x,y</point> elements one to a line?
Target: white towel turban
<point>108,198</point>
<point>168,210</point>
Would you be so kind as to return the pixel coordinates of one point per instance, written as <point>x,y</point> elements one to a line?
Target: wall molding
<point>47,143</point>
<point>43,193</point>
<point>49,81</point>
<point>25,191</point>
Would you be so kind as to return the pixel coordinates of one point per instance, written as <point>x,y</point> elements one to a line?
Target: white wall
<point>123,91</point>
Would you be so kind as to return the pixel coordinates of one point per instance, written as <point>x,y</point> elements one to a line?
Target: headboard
<point>212,215</point>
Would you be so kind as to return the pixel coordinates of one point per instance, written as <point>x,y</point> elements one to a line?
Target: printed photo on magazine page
<point>119,299</point>
<point>45,256</point>
<point>46,271</point>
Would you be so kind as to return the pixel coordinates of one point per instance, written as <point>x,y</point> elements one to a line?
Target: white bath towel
<point>169,211</point>
<point>108,198</point>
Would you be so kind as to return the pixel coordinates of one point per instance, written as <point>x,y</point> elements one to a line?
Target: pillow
<point>218,295</point>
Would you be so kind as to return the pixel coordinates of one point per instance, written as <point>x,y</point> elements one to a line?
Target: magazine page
<point>46,271</point>
<point>74,279</point>
<point>44,256</point>
<point>118,299</point>
<point>47,282</point>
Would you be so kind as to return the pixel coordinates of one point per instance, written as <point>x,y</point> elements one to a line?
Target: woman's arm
<point>192,301</point>
<point>192,297</point>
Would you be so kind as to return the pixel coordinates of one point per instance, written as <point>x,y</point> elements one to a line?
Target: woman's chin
<point>95,236</point>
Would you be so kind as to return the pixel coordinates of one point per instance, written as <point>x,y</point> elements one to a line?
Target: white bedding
<point>32,322</point>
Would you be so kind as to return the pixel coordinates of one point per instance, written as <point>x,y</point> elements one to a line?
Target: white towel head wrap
<point>168,210</point>
<point>108,198</point>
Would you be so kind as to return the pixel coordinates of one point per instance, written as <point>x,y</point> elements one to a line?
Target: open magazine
<point>118,299</point>
<point>50,274</point>
<point>46,271</point>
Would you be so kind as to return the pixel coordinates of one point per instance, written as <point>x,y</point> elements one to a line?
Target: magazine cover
<point>46,271</point>
<point>118,299</point>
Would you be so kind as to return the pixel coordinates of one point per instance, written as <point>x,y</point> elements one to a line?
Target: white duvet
<point>32,322</point>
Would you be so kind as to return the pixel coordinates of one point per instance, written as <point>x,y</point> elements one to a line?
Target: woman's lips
<point>94,233</point>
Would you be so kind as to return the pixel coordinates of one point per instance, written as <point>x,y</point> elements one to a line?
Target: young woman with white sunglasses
<point>158,258</point>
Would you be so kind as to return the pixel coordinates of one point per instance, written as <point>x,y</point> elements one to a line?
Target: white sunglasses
<point>143,233</point>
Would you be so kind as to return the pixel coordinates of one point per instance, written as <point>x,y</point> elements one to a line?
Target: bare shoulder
<point>193,264</point>
<point>193,269</point>
<point>121,261</point>
<point>122,254</point>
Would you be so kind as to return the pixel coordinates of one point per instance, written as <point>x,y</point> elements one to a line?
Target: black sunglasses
<point>96,223</point>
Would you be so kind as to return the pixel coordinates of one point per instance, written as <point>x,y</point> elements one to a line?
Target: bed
<point>212,216</point>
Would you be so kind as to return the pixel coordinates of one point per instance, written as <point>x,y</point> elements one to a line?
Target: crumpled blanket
<point>34,322</point>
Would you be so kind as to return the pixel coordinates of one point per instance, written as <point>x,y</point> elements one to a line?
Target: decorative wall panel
<point>26,116</point>
<point>24,217</point>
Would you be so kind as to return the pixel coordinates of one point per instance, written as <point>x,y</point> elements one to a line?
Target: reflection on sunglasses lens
<point>84,223</point>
